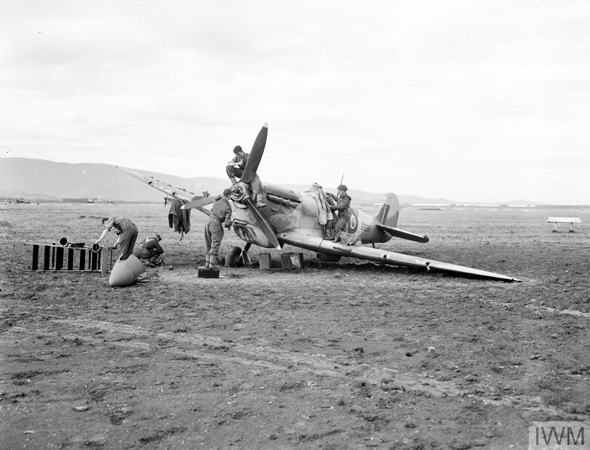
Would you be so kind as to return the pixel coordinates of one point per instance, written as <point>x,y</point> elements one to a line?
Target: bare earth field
<point>333,357</point>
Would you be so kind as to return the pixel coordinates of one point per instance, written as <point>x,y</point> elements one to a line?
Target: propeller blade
<point>265,226</point>
<point>255,156</point>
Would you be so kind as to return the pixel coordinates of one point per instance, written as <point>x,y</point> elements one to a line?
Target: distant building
<point>81,200</point>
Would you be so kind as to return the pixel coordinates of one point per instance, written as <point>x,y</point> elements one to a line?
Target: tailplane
<point>386,220</point>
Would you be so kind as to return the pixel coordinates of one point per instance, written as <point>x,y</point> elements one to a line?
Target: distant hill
<point>38,179</point>
<point>48,180</point>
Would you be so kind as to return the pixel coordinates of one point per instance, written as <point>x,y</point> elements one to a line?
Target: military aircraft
<point>271,216</point>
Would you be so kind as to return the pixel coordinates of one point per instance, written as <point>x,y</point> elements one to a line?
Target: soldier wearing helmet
<point>340,205</point>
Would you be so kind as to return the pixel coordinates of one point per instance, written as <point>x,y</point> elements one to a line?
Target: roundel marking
<point>353,222</point>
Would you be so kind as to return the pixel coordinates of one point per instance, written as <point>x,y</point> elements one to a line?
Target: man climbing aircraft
<point>342,203</point>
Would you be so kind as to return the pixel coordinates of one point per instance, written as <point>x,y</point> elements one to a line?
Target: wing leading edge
<point>321,245</point>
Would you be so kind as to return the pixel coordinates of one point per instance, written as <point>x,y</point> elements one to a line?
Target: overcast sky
<point>469,100</point>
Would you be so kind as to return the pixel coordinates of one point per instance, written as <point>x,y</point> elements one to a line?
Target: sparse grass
<point>271,359</point>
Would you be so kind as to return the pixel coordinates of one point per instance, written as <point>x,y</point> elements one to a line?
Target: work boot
<point>213,262</point>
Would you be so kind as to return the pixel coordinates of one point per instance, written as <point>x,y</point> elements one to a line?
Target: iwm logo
<point>559,436</point>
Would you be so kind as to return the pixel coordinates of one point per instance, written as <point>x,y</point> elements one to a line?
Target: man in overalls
<point>126,232</point>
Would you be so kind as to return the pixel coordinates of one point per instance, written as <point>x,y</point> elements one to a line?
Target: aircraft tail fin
<point>389,213</point>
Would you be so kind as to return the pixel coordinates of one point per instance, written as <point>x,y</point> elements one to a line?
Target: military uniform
<point>235,168</point>
<point>150,250</point>
<point>341,207</point>
<point>220,215</point>
<point>127,232</point>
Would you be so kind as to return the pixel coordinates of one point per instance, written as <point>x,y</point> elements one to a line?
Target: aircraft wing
<point>398,232</point>
<point>321,245</point>
<point>159,185</point>
<point>198,203</point>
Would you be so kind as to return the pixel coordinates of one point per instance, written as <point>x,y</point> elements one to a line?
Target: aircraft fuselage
<point>287,211</point>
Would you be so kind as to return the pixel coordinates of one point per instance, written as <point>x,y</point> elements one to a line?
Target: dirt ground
<point>333,357</point>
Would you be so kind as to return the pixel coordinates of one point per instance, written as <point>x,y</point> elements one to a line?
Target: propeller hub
<point>239,192</point>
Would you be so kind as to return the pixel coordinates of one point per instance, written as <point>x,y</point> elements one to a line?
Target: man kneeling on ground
<point>150,252</point>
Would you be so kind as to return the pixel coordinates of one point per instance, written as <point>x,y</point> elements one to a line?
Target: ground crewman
<point>220,216</point>
<point>235,168</point>
<point>341,207</point>
<point>126,232</point>
<point>150,251</point>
